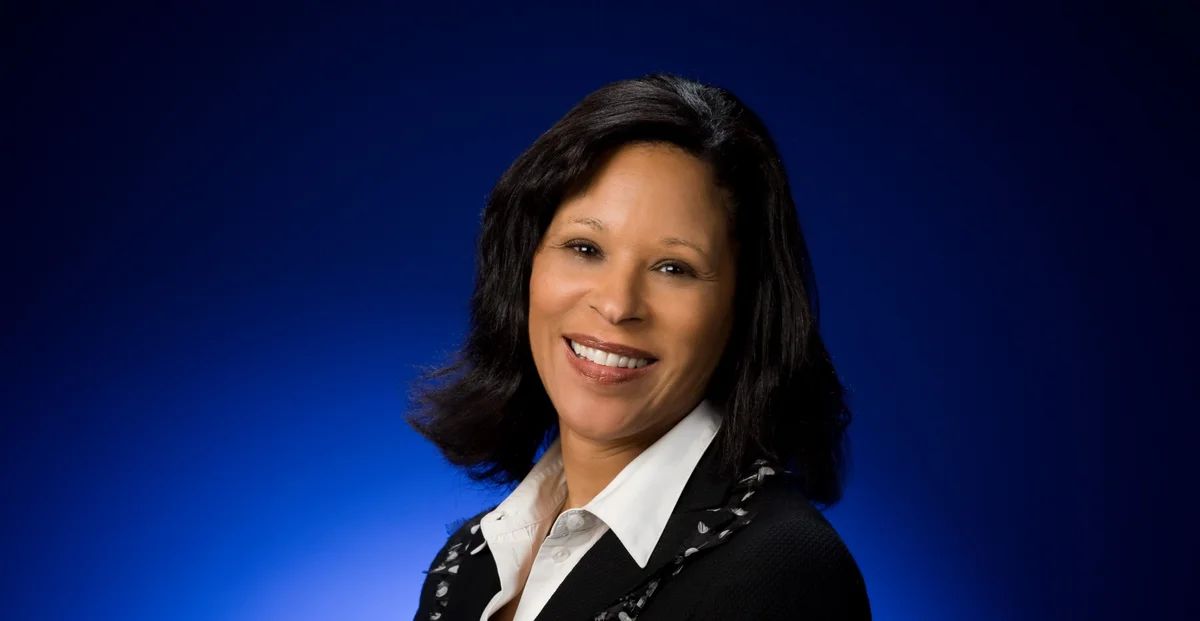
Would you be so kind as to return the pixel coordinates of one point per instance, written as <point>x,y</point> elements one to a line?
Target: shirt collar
<point>637,503</point>
<point>537,498</point>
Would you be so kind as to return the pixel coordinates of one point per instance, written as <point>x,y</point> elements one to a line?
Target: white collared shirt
<point>532,548</point>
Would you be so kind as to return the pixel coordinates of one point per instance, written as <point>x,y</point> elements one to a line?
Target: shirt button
<point>575,521</point>
<point>561,554</point>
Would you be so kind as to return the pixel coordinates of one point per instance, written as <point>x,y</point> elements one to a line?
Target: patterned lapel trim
<point>468,541</point>
<point>710,532</point>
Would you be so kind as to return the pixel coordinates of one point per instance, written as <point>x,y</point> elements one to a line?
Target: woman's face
<point>631,296</point>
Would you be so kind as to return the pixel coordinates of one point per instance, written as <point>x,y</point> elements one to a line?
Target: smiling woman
<point>607,278</point>
<point>645,312</point>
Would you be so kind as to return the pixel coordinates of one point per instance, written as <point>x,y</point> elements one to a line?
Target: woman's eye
<point>675,269</point>
<point>584,248</point>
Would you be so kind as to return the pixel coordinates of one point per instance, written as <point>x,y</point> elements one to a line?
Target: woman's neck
<point>589,466</point>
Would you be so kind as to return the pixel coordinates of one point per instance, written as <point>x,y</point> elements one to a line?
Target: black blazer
<point>750,548</point>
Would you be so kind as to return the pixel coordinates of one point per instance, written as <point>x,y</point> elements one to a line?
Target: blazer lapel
<point>474,592</point>
<point>455,598</point>
<point>607,571</point>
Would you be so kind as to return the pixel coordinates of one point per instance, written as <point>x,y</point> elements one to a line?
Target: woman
<point>644,311</point>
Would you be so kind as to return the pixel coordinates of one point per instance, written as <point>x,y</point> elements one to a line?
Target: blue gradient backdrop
<point>232,233</point>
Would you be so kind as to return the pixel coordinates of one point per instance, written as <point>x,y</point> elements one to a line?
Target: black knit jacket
<point>751,548</point>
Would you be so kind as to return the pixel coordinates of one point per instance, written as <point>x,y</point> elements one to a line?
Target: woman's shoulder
<point>789,559</point>
<point>461,546</point>
<point>462,533</point>
<point>787,520</point>
<point>458,527</point>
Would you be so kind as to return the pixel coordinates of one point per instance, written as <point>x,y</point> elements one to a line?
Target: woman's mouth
<point>608,363</point>
<point>608,359</point>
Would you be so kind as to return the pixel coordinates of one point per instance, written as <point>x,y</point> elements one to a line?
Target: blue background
<point>233,234</point>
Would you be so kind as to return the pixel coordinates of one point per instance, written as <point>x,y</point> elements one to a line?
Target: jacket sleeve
<point>798,569</point>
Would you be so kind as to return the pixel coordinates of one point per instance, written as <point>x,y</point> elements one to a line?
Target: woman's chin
<point>599,422</point>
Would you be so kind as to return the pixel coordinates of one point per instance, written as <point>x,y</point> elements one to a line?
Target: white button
<point>561,554</point>
<point>575,521</point>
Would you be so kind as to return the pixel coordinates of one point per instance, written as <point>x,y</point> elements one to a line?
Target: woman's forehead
<point>648,186</point>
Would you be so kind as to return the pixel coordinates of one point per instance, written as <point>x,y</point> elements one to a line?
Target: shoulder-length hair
<point>488,412</point>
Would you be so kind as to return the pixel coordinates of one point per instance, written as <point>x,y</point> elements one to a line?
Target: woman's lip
<point>612,348</point>
<point>599,373</point>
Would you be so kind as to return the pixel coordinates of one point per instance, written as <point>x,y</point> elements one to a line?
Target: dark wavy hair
<point>487,409</point>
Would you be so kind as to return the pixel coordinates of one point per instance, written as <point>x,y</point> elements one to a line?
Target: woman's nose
<point>617,295</point>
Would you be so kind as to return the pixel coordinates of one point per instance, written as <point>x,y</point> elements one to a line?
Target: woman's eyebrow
<point>591,223</point>
<point>679,241</point>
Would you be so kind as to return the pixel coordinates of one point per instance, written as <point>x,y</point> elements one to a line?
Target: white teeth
<point>608,359</point>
